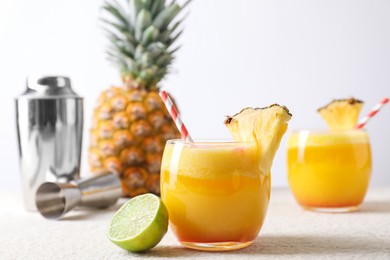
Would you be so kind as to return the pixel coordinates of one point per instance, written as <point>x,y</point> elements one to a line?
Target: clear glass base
<point>333,210</point>
<point>220,246</point>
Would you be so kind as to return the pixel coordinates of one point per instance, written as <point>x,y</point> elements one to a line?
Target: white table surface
<point>288,233</point>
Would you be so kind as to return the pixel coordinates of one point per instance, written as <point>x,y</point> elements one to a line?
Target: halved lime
<point>139,224</point>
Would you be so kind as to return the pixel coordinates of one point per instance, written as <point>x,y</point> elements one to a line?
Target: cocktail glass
<point>216,196</point>
<point>328,170</point>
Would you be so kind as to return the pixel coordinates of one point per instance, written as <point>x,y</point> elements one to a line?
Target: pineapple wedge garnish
<point>341,114</point>
<point>266,126</point>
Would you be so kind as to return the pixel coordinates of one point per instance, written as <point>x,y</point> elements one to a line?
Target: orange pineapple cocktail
<point>329,170</point>
<point>217,192</point>
<point>214,192</point>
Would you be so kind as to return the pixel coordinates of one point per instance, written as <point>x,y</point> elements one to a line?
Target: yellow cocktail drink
<point>216,196</point>
<point>329,170</point>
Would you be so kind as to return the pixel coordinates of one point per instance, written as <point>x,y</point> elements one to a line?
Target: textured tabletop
<point>288,233</point>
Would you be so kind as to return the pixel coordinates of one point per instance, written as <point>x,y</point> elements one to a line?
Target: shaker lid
<point>48,87</point>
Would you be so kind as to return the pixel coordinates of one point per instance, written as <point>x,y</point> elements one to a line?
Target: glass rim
<point>328,131</point>
<point>210,141</point>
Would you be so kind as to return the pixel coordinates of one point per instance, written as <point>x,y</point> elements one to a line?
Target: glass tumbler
<point>216,196</point>
<point>328,170</point>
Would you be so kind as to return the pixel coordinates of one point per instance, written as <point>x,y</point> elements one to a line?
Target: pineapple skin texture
<point>130,127</point>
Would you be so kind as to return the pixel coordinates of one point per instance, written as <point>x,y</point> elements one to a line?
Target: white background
<point>235,54</point>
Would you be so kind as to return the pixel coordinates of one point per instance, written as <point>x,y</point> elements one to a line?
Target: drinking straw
<point>372,113</point>
<point>175,116</point>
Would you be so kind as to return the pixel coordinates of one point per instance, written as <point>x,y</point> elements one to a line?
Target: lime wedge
<point>139,224</point>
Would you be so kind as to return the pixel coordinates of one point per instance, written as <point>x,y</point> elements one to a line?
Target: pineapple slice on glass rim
<point>341,114</point>
<point>266,126</point>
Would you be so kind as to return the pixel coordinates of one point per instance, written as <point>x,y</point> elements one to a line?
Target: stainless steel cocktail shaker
<point>50,124</point>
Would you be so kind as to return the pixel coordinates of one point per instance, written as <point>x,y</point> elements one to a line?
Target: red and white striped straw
<point>175,116</point>
<point>372,113</point>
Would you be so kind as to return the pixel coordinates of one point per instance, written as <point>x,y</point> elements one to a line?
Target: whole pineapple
<point>130,122</point>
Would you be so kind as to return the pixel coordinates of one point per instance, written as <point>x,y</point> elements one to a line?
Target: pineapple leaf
<point>174,50</point>
<point>166,35</point>
<point>147,74</point>
<point>130,38</point>
<point>147,4</point>
<point>118,27</point>
<point>175,26</point>
<point>157,45</point>
<point>164,60</point>
<point>112,57</point>
<point>114,53</point>
<point>130,64</point>
<point>116,12</point>
<point>156,49</point>
<point>141,35</point>
<point>157,6</point>
<point>185,4</point>
<point>144,20</point>
<point>161,73</point>
<point>166,16</point>
<point>127,48</point>
<point>112,36</point>
<point>146,60</point>
<point>138,52</point>
<point>150,35</point>
<point>174,38</point>
<point>135,7</point>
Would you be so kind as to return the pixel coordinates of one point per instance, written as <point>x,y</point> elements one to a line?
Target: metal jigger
<point>53,200</point>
